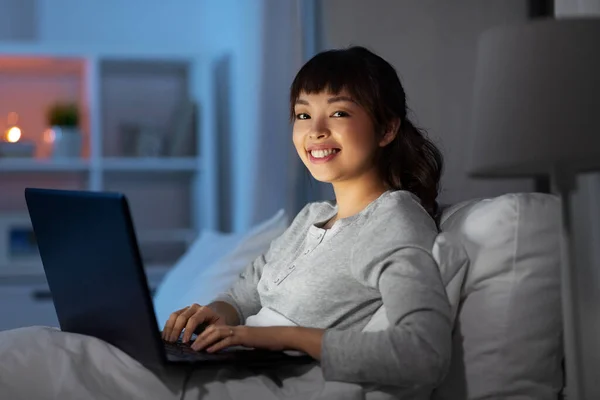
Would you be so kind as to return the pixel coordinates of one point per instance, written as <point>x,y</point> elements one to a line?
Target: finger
<point>170,323</point>
<point>203,337</point>
<point>227,341</point>
<point>211,335</point>
<point>198,318</point>
<point>180,322</point>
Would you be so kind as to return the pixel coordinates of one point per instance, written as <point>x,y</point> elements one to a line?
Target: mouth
<point>320,156</point>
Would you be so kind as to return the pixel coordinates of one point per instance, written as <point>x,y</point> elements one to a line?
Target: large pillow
<point>507,340</point>
<point>211,265</point>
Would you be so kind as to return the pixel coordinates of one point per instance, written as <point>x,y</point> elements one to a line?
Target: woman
<point>340,261</point>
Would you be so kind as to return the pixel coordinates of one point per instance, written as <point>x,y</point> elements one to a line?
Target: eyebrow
<point>338,99</point>
<point>331,100</point>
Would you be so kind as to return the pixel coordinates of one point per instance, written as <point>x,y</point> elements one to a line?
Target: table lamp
<point>536,114</point>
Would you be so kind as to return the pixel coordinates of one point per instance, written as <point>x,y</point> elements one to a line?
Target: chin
<point>324,178</point>
<point>321,173</point>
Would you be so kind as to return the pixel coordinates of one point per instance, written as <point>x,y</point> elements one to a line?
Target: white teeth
<point>322,153</point>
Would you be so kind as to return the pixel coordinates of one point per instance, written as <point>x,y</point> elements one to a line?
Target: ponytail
<point>412,162</point>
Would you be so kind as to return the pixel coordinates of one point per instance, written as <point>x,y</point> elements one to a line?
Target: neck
<point>352,196</point>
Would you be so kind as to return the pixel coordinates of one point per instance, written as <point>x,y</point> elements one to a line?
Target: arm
<point>306,340</point>
<point>242,299</point>
<point>226,311</point>
<point>276,338</point>
<point>415,349</point>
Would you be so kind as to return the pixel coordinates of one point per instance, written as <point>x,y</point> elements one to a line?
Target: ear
<point>390,133</point>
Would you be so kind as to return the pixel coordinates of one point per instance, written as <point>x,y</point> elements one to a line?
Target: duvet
<point>45,363</point>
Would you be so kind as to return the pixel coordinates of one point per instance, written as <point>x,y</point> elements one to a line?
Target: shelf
<point>36,276</point>
<point>190,164</point>
<point>37,165</point>
<point>125,94</point>
<point>45,65</point>
<point>114,51</point>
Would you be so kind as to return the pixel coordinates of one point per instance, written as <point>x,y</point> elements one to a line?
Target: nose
<point>319,130</point>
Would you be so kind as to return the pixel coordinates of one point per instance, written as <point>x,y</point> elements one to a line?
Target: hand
<point>189,318</point>
<point>218,337</point>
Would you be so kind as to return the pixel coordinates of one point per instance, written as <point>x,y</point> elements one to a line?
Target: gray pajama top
<point>336,279</point>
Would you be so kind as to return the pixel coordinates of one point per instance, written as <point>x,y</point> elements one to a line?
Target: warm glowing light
<point>49,136</point>
<point>13,134</point>
<point>13,118</point>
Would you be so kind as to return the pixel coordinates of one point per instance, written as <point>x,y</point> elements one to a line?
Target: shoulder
<point>313,212</point>
<point>310,214</point>
<point>398,220</point>
<point>391,231</point>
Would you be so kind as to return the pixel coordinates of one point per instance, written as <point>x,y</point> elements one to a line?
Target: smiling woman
<point>356,96</point>
<point>335,138</point>
<point>341,260</point>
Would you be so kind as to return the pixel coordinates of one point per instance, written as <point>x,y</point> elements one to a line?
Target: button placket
<point>285,274</point>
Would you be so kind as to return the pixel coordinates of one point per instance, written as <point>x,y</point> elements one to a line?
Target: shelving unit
<point>35,165</point>
<point>169,195</point>
<point>116,164</point>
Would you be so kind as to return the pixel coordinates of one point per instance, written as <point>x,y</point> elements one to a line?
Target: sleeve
<point>415,349</point>
<point>243,295</point>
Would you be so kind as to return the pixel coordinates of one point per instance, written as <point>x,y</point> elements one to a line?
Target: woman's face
<point>334,137</point>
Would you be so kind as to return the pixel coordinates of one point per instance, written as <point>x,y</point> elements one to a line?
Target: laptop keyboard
<point>182,350</point>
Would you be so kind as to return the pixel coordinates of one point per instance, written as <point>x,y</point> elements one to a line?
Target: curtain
<point>258,47</point>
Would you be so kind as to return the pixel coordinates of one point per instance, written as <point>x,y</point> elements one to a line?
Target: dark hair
<point>411,161</point>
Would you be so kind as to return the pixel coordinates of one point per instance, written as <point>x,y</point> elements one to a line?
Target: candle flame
<point>13,135</point>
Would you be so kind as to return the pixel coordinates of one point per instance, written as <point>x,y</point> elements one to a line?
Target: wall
<point>432,45</point>
<point>567,8</point>
<point>232,33</point>
<point>137,23</point>
<point>259,43</point>
<point>586,233</point>
<point>18,20</point>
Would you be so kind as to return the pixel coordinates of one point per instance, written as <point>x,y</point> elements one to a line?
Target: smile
<point>322,155</point>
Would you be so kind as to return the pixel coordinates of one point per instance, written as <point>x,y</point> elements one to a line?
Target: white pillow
<point>507,339</point>
<point>212,264</point>
<point>453,263</point>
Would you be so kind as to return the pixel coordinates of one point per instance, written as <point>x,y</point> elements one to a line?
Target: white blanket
<point>45,363</point>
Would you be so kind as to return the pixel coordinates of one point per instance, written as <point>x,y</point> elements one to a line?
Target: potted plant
<point>63,119</point>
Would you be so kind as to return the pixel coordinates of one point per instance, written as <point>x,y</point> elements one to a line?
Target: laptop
<point>91,259</point>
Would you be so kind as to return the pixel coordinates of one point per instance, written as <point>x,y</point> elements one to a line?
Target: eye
<point>302,116</point>
<point>340,114</point>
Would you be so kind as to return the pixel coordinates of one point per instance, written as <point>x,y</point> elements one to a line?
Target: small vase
<point>67,142</point>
